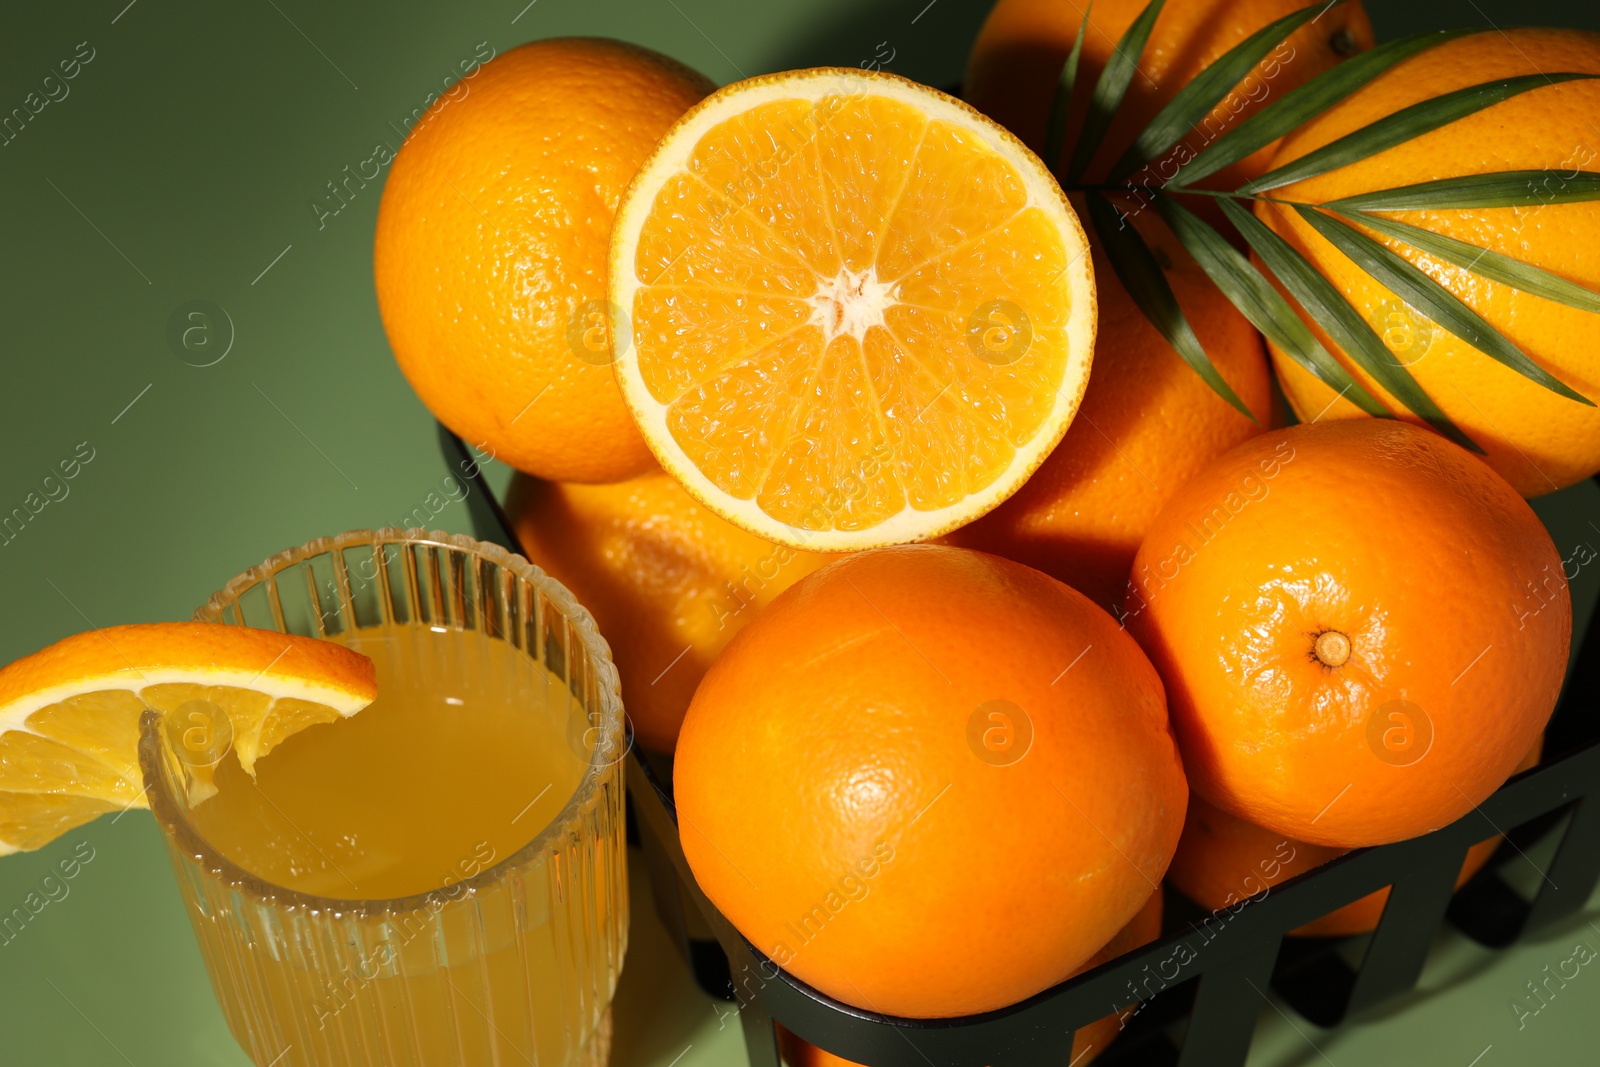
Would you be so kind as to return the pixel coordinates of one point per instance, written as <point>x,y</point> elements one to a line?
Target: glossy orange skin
<point>1017,59</point>
<point>668,581</point>
<point>1087,1043</point>
<point>492,237</point>
<point>1148,423</point>
<point>1424,558</point>
<point>830,741</point>
<point>1536,440</point>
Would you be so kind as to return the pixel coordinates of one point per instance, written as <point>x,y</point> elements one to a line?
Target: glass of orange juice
<point>439,879</point>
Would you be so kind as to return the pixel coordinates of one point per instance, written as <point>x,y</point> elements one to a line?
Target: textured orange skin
<point>1147,424</point>
<point>1538,441</point>
<point>1422,556</point>
<point>492,234</point>
<point>1017,58</point>
<point>1088,1042</point>
<point>832,727</point>
<point>179,645</point>
<point>661,574</point>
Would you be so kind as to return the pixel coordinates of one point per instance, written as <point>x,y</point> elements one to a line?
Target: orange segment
<point>867,145</point>
<point>928,221</point>
<point>759,158</point>
<point>701,237</point>
<point>833,444</point>
<point>735,423</point>
<point>102,725</point>
<point>33,820</point>
<point>919,410</point>
<point>830,348</point>
<point>69,714</point>
<point>698,330</point>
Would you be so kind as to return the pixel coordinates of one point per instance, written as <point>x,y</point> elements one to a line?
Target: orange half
<point>849,310</point>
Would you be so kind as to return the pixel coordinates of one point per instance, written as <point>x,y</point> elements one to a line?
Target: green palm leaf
<point>1348,222</point>
<point>1303,104</point>
<point>1416,288</point>
<point>1344,324</point>
<point>1404,125</point>
<point>1506,188</point>
<point>1056,125</point>
<point>1136,267</point>
<point>1484,262</point>
<point>1111,88</point>
<point>1256,298</point>
<point>1196,100</point>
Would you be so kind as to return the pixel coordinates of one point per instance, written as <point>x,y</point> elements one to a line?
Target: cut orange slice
<point>858,312</point>
<point>69,714</point>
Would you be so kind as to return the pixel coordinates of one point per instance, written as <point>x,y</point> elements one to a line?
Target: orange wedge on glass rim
<point>69,714</point>
<point>848,309</point>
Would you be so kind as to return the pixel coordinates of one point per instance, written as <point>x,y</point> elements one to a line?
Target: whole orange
<point>1087,1043</point>
<point>1537,440</point>
<point>669,582</point>
<point>929,781</point>
<point>1222,860</point>
<point>1147,424</point>
<point>1017,59</point>
<point>490,258</point>
<point>1361,629</point>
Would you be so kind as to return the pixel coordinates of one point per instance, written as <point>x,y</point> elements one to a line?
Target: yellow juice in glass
<point>461,760</point>
<point>437,880</point>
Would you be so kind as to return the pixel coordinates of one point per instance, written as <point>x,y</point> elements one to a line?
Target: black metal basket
<point>1209,971</point>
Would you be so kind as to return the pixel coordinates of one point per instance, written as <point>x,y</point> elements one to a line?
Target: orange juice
<point>470,750</point>
<point>466,755</point>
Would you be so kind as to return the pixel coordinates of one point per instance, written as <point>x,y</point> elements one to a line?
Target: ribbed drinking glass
<point>514,963</point>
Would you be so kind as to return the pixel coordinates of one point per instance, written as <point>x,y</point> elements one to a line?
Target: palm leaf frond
<point>1506,188</point>
<point>1330,310</point>
<point>1401,277</point>
<point>1484,262</point>
<point>1404,125</point>
<point>1136,267</point>
<point>1185,111</point>
<point>1111,88</point>
<point>1256,298</point>
<point>1055,132</point>
<point>1304,103</point>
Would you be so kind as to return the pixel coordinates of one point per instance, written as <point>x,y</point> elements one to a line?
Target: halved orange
<point>69,714</point>
<point>861,313</point>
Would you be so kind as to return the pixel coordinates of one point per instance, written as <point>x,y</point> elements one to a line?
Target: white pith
<point>849,304</point>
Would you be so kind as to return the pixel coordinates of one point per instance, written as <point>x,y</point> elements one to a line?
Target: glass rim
<point>173,819</point>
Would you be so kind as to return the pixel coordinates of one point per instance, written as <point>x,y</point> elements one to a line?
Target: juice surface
<point>467,753</point>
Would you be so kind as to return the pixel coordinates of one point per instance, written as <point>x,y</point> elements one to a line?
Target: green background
<point>181,167</point>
